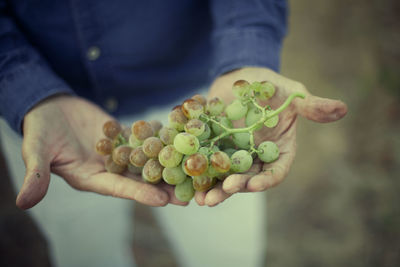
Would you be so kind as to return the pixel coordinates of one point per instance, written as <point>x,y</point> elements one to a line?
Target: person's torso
<point>135,53</point>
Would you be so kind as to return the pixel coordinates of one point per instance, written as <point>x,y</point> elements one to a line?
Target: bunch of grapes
<point>200,145</point>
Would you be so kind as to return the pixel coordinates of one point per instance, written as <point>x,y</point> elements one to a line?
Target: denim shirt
<point>129,55</point>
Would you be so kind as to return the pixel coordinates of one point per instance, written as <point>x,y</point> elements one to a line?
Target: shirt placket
<point>94,54</point>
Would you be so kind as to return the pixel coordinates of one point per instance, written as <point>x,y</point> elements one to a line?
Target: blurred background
<point>339,206</point>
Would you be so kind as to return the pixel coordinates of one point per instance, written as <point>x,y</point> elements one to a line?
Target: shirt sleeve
<point>247,33</point>
<point>25,77</point>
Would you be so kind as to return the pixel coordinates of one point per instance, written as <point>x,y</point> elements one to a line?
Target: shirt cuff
<point>24,87</point>
<point>238,48</point>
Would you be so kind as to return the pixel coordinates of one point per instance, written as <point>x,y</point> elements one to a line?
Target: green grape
<point>266,90</point>
<point>255,87</point>
<point>241,161</point>
<point>206,151</point>
<point>241,89</point>
<point>156,125</point>
<point>236,110</point>
<point>152,146</point>
<point>214,149</point>
<point>134,142</point>
<point>195,164</point>
<point>142,130</point>
<point>184,191</point>
<point>229,151</point>
<point>126,132</point>
<point>222,176</point>
<point>218,129</point>
<point>111,129</point>
<point>137,157</point>
<point>133,169</point>
<point>119,140</point>
<point>169,157</point>
<point>186,143</point>
<point>177,119</point>
<point>167,135</point>
<point>204,118</point>
<point>215,106</point>
<point>112,167</point>
<point>152,171</point>
<point>173,176</point>
<point>206,134</point>
<point>250,105</point>
<point>220,161</point>
<point>226,142</point>
<point>242,140</point>
<point>104,147</point>
<point>201,99</point>
<point>253,116</point>
<point>268,151</point>
<point>272,122</point>
<point>195,127</point>
<point>263,90</point>
<point>192,109</point>
<point>183,163</point>
<point>212,172</point>
<point>120,155</point>
<point>203,183</point>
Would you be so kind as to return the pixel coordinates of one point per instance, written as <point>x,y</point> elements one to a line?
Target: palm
<point>71,127</point>
<point>262,176</point>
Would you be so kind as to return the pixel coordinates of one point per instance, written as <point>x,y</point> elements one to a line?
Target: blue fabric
<point>150,51</point>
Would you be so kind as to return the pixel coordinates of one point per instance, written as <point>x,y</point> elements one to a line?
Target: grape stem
<point>252,144</point>
<point>253,100</point>
<point>250,129</point>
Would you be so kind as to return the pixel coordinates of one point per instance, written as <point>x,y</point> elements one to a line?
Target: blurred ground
<point>339,205</point>
<point>21,242</point>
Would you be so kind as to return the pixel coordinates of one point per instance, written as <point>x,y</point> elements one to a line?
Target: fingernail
<point>208,200</point>
<point>21,202</point>
<point>162,199</point>
<point>210,203</point>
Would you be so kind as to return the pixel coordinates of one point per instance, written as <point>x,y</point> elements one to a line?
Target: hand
<point>59,136</point>
<point>263,176</point>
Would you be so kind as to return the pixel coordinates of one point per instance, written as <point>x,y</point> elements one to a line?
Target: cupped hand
<point>262,176</point>
<point>59,136</point>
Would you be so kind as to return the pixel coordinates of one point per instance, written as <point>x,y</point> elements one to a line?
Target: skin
<point>60,135</point>
<point>263,176</point>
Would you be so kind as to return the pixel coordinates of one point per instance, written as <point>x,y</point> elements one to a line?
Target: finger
<point>235,183</point>
<point>320,109</point>
<point>272,173</point>
<point>37,174</point>
<point>200,198</point>
<point>123,187</point>
<point>215,196</point>
<point>238,182</point>
<point>36,183</point>
<point>170,190</point>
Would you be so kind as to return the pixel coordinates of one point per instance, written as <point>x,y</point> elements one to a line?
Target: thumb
<point>320,109</point>
<point>37,176</point>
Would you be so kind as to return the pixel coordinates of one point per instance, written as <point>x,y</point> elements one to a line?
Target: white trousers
<point>86,229</point>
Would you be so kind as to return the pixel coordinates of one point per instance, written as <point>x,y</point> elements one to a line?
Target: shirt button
<point>93,53</point>
<point>111,104</point>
